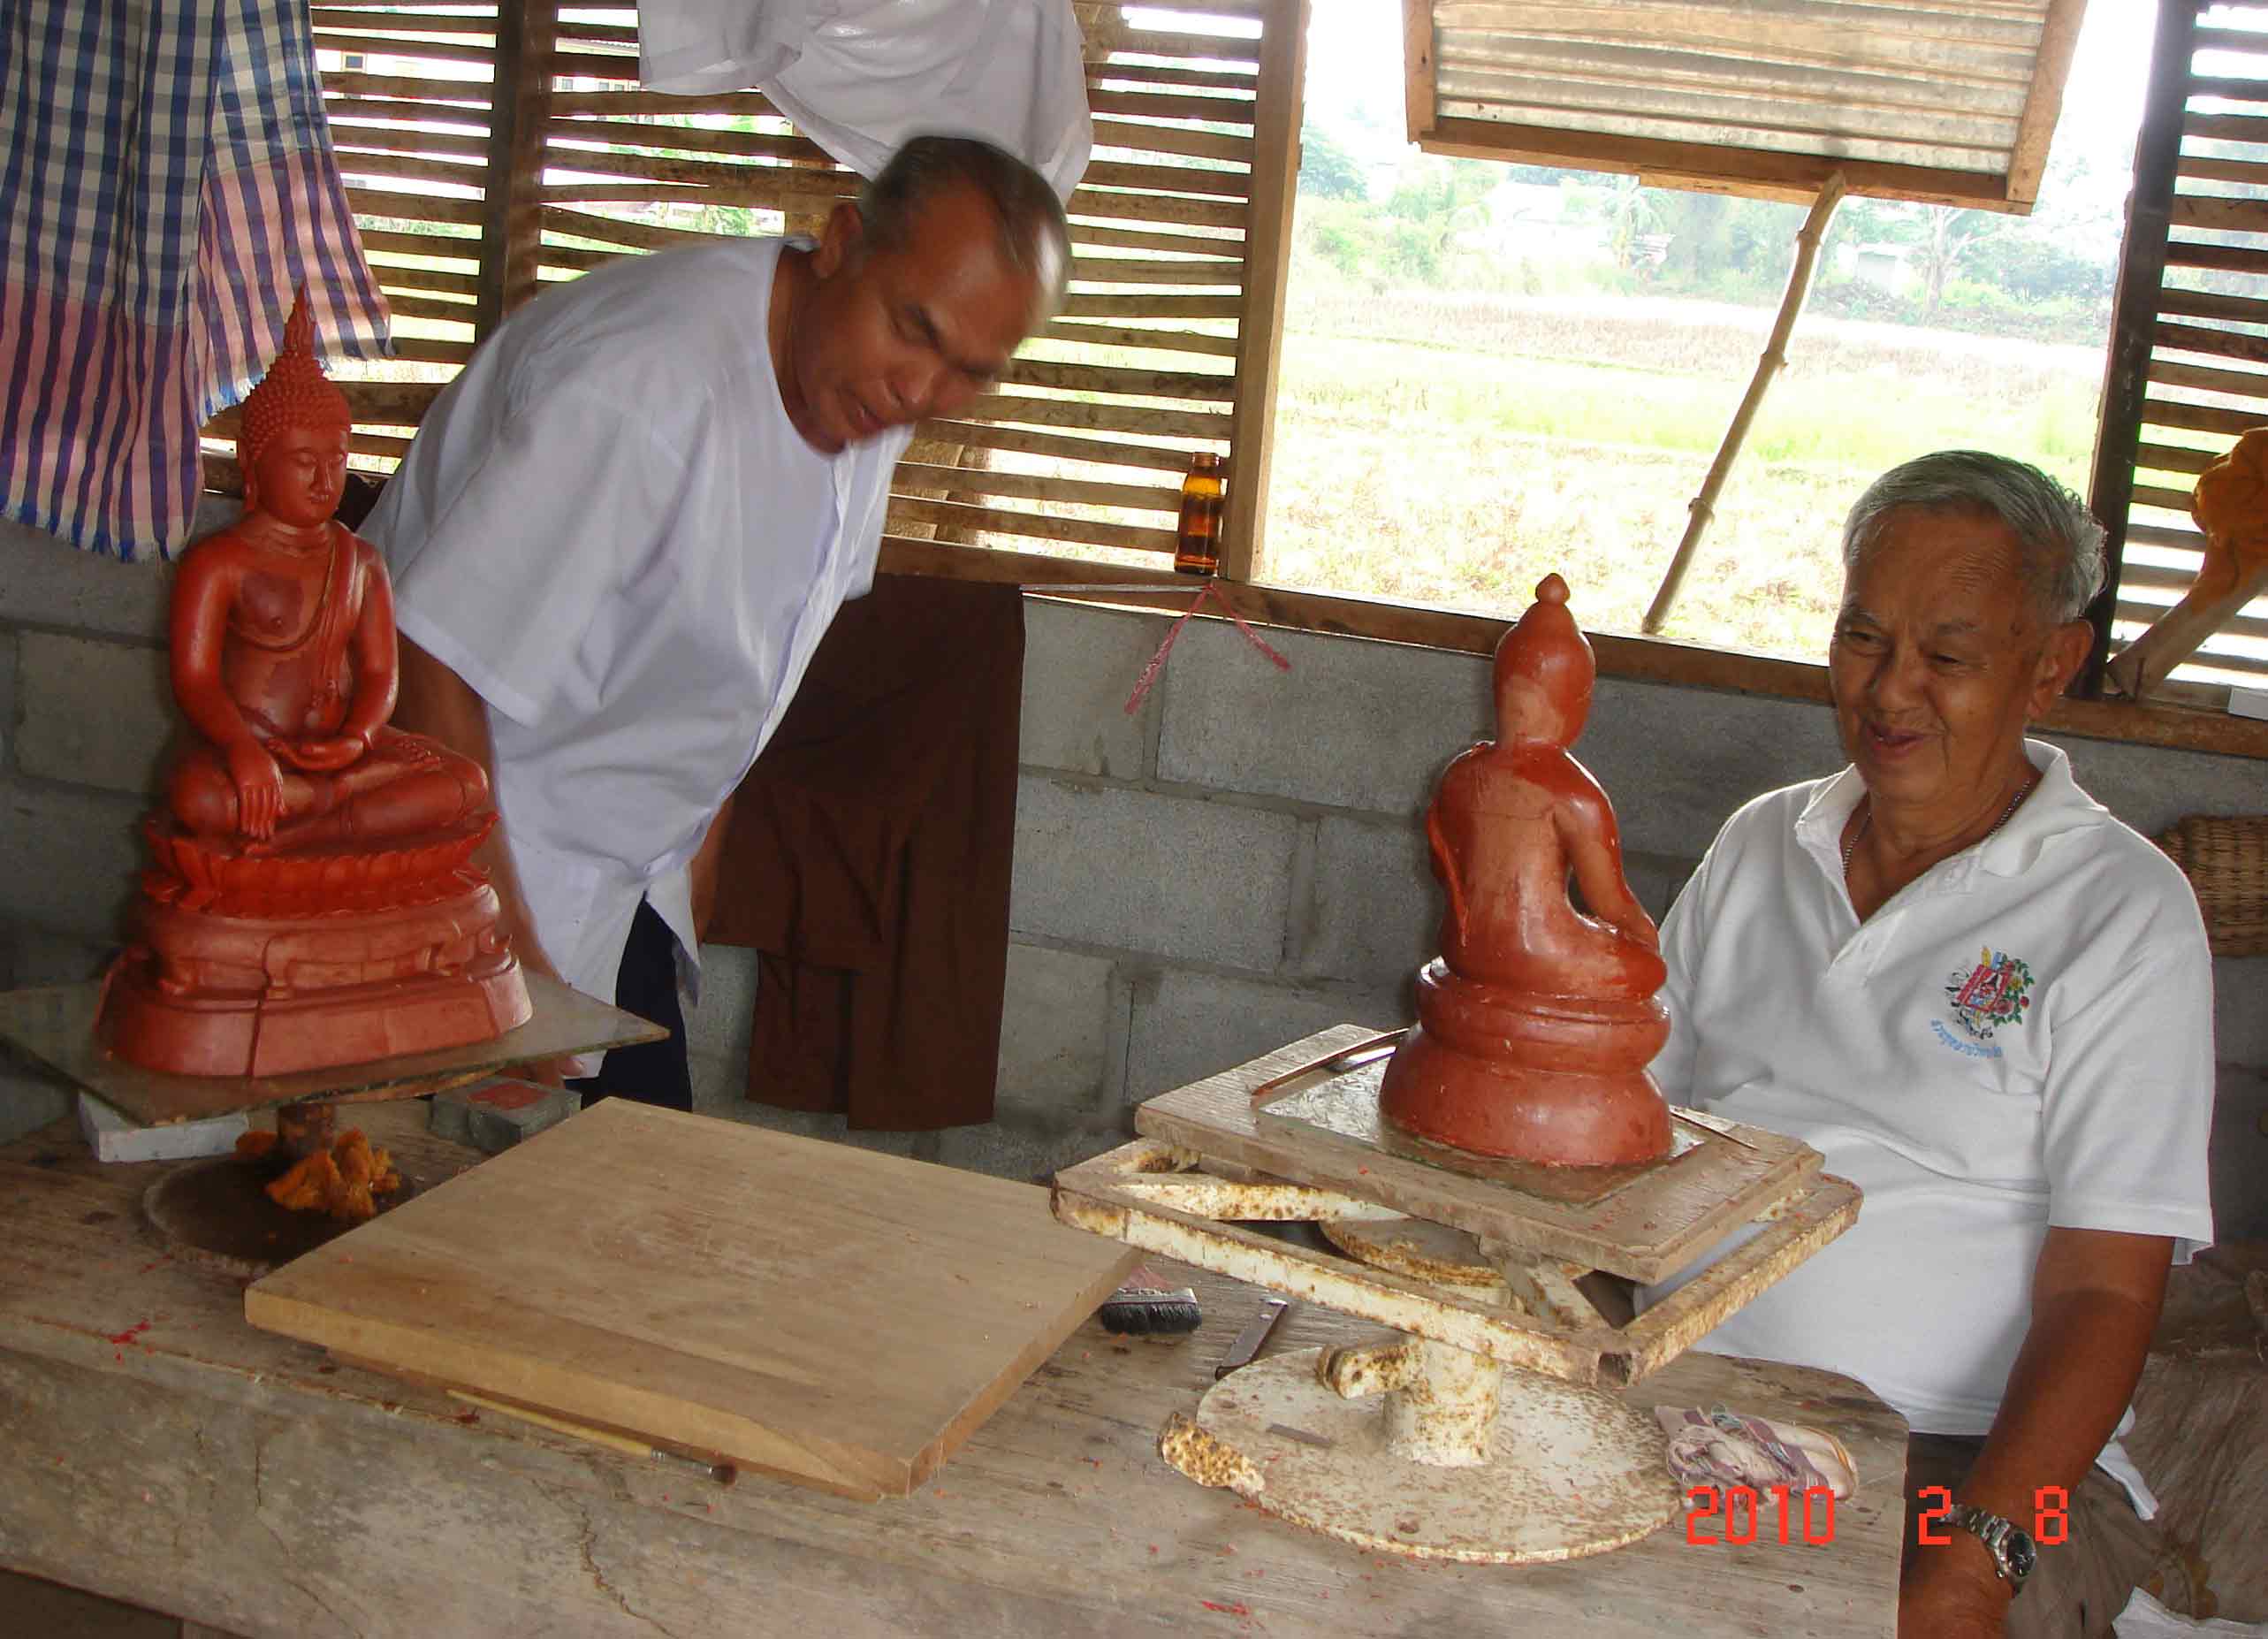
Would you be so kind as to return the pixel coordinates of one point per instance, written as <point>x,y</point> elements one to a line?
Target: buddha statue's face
<point>299,475</point>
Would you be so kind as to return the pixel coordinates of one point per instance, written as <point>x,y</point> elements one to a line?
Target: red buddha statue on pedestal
<point>312,901</point>
<point>1536,1022</point>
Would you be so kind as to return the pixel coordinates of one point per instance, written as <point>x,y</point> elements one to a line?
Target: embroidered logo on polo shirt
<point>1992,994</point>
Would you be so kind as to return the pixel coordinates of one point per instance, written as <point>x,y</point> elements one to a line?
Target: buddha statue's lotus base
<point>1555,1080</point>
<point>202,992</point>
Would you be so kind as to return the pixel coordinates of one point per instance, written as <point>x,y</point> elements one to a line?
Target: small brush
<point>1143,1309</point>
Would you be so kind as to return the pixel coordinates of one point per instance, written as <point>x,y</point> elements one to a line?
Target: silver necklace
<point>1868,818</point>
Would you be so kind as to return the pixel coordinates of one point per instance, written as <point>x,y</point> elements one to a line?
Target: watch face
<point>2022,1555</point>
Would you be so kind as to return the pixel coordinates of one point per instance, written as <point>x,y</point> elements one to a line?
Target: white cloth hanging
<point>859,77</point>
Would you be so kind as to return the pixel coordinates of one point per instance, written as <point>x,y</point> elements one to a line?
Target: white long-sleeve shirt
<point>607,527</point>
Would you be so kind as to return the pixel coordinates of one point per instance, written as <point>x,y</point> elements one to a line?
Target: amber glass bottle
<point>1197,549</point>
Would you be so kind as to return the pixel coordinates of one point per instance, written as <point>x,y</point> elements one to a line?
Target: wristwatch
<point>2013,1551</point>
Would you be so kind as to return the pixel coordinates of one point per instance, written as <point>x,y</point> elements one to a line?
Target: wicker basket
<point>2226,860</point>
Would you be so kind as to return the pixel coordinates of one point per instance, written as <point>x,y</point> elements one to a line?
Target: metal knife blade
<point>1346,1058</point>
<point>1254,1334</point>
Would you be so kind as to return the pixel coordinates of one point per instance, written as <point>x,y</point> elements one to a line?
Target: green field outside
<point>1449,450</point>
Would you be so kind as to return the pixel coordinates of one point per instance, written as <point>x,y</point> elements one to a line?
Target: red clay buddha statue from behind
<point>1536,1022</point>
<point>311,901</point>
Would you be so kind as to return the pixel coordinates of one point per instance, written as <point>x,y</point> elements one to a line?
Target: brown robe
<point>868,860</point>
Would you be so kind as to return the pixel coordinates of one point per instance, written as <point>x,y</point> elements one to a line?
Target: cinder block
<point>114,1137</point>
<point>1377,909</point>
<point>1656,879</point>
<point>1080,664</point>
<point>718,1028</point>
<point>1354,724</point>
<point>496,1115</point>
<point>94,712</point>
<point>1181,877</point>
<point>2241,1010</point>
<point>1190,1026</point>
<point>72,858</point>
<point>805,1123</point>
<point>1675,762</point>
<point>448,1116</point>
<point>40,958</point>
<point>2151,787</point>
<point>9,713</point>
<point>48,582</point>
<point>29,1099</point>
<point>719,1025</point>
<point>1007,1151</point>
<point>2239,1156</point>
<point>1055,1032</point>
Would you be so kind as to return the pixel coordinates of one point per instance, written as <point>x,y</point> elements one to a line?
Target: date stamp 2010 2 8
<point>1808,1515</point>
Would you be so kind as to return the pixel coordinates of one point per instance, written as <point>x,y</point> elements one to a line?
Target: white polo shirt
<point>2021,1037</point>
<point>608,528</point>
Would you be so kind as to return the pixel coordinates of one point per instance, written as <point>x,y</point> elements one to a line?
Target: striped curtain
<point>168,180</point>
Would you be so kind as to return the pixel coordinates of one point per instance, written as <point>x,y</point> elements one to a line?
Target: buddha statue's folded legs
<point>405,786</point>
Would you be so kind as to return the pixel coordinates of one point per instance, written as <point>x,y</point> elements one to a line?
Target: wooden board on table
<point>55,1025</point>
<point>822,1312</point>
<point>1647,1227</point>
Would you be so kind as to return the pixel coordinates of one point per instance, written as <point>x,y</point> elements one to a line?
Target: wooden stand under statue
<point>312,929</point>
<point>1467,1174</point>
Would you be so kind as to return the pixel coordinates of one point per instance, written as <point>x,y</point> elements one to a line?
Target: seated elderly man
<point>1990,1004</point>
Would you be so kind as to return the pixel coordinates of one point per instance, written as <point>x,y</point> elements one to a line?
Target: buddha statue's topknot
<point>294,392</point>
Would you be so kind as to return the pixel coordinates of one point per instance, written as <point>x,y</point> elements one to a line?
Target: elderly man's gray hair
<point>1035,235</point>
<point>2062,544</point>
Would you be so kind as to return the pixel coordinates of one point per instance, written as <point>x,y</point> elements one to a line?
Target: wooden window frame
<point>508,219</point>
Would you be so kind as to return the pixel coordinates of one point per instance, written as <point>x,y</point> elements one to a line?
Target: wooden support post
<point>2142,273</point>
<point>527,33</point>
<point>1267,266</point>
<point>1703,506</point>
<point>2028,158</point>
<point>1420,108</point>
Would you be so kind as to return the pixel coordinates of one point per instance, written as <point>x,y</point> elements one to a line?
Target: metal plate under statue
<point>1536,1022</point>
<point>312,900</point>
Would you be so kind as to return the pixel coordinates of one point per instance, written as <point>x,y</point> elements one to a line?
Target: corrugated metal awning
<point>1951,101</point>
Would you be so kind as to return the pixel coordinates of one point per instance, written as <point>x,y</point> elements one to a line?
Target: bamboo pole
<point>1703,506</point>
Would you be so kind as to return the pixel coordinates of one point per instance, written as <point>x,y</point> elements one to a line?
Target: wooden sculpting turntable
<point>216,1210</point>
<point>1490,1432</point>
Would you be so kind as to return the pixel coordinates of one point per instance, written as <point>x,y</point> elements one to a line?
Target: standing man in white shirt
<point>621,531</point>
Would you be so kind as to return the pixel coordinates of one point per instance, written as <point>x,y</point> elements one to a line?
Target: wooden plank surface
<point>1646,1228</point>
<point>55,1025</point>
<point>245,1481</point>
<point>824,1313</point>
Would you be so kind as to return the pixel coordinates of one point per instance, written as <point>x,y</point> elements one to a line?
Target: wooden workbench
<point>154,1448</point>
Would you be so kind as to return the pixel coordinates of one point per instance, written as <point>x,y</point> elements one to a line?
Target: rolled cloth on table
<point>1725,1448</point>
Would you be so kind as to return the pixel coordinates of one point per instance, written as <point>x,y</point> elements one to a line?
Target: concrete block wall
<point>1242,861</point>
<point>85,714</point>
<point>1237,864</point>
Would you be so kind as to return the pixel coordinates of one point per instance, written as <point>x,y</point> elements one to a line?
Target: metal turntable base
<point>1569,1471</point>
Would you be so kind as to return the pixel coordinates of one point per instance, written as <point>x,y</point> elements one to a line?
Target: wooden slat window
<point>1081,452</point>
<point>2190,359</point>
<point>1165,347</point>
<point>1950,101</point>
<point>410,90</point>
